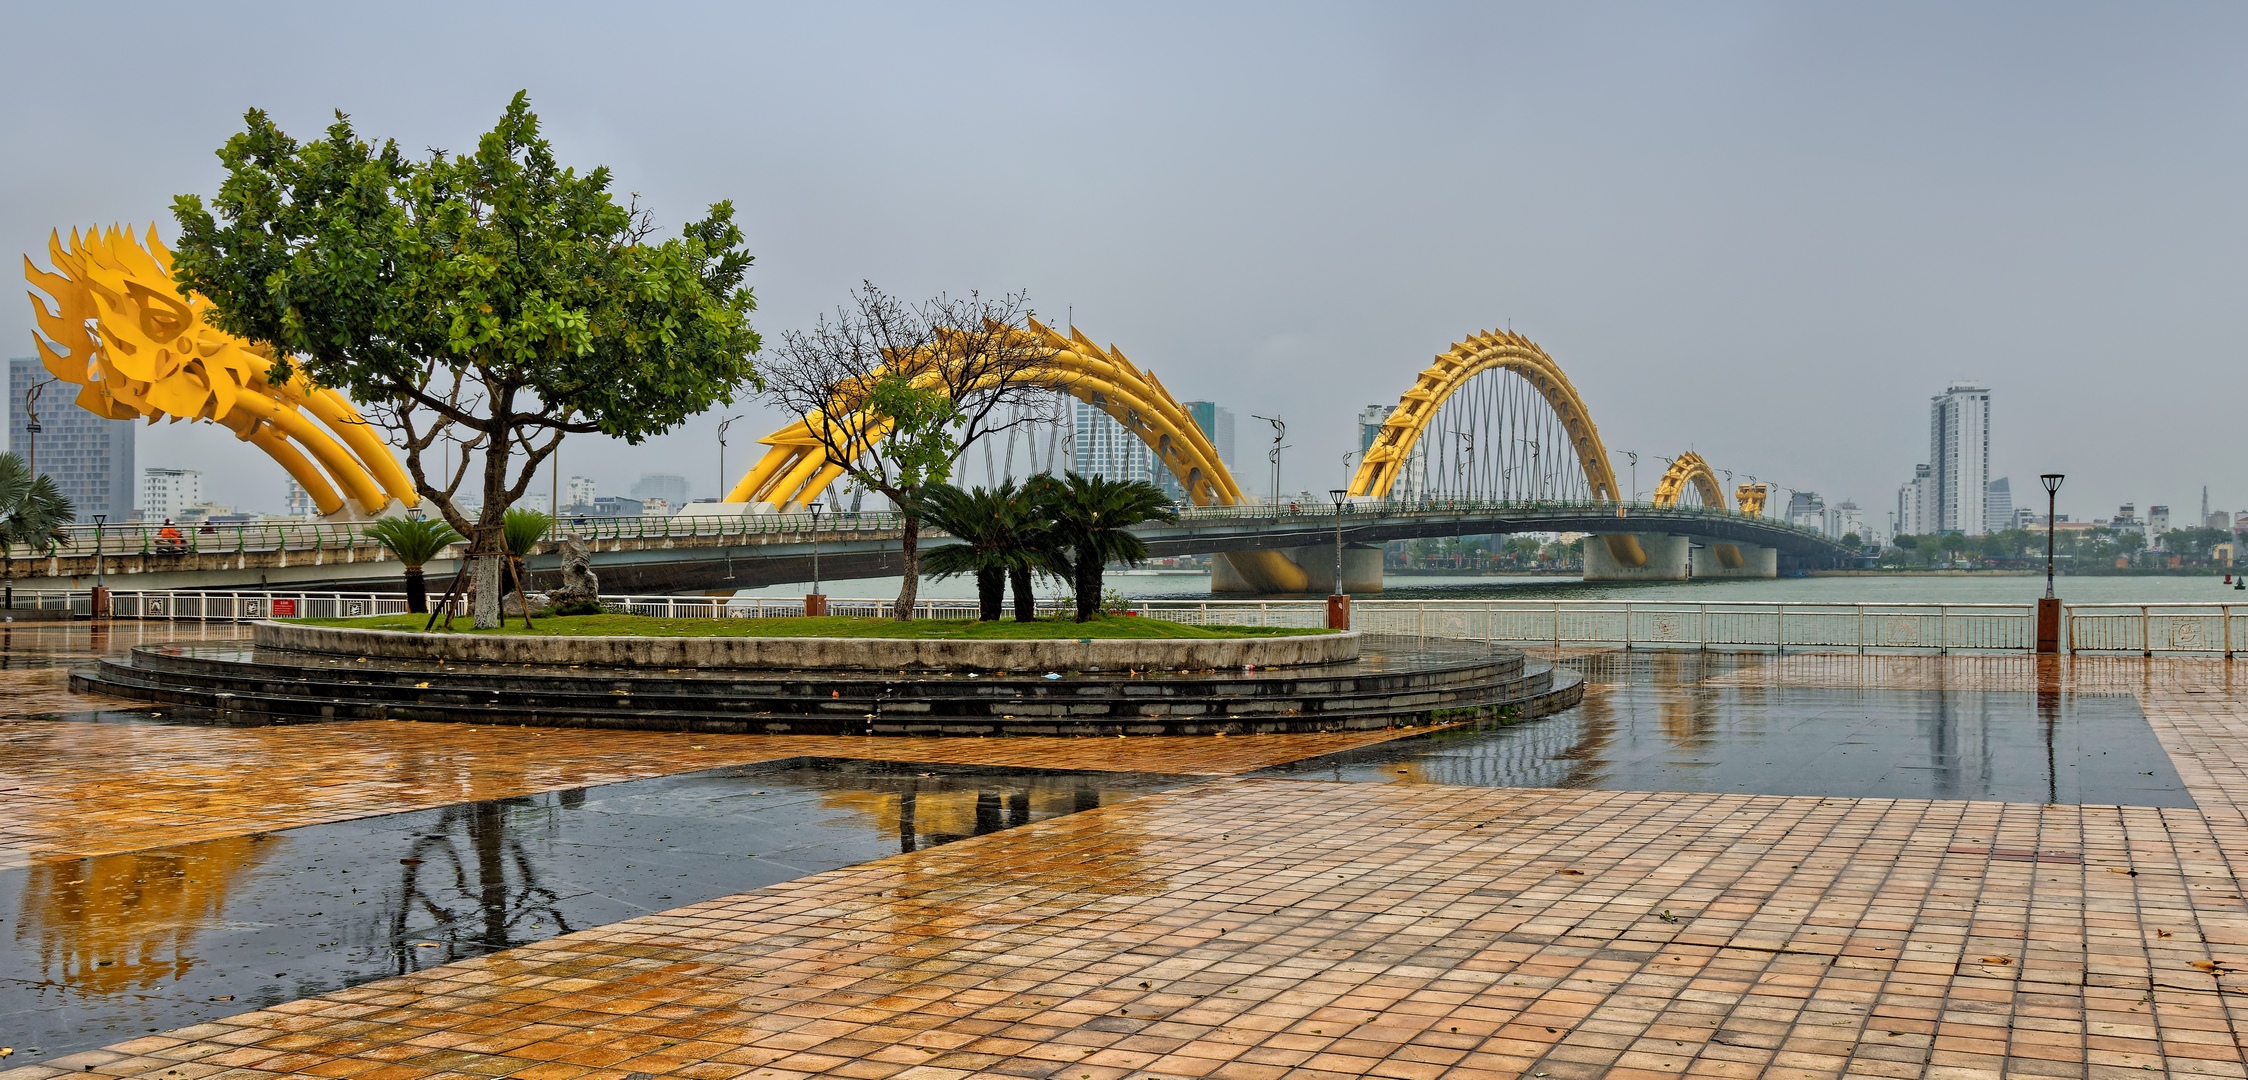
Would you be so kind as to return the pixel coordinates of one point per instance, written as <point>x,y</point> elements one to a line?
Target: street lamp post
<point>1338,603</point>
<point>815,603</point>
<point>722,426</point>
<point>98,604</point>
<point>1279,432</point>
<point>2049,605</point>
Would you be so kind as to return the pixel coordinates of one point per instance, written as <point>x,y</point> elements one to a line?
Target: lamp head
<point>1339,495</point>
<point>99,518</point>
<point>2052,481</point>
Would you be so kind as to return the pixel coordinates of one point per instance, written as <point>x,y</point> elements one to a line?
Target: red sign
<point>284,608</point>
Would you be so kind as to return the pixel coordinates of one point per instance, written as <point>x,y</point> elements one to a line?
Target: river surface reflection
<point>109,948</point>
<point>1654,722</point>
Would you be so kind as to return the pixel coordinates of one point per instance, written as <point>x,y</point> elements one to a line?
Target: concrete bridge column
<point>1362,571</point>
<point>1726,560</point>
<point>1635,557</point>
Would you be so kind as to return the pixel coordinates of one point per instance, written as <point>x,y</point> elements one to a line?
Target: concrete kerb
<point>829,654</point>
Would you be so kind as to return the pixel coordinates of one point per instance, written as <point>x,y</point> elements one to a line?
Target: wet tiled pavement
<point>1249,927</point>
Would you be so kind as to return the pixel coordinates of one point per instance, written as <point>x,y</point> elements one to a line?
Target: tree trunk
<point>991,593</point>
<point>1026,605</point>
<point>1088,586</point>
<point>485,582</point>
<point>909,564</point>
<point>417,591</point>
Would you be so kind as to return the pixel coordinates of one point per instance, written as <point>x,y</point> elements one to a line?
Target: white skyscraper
<point>1959,457</point>
<point>579,492</point>
<point>1916,502</point>
<point>165,493</point>
<point>1104,448</point>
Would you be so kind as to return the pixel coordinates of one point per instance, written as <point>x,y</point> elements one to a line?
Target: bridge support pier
<point>1635,557</point>
<point>1362,571</point>
<point>1730,560</point>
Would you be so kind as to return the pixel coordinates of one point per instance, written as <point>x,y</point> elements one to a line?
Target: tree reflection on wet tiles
<point>111,947</point>
<point>1654,724</point>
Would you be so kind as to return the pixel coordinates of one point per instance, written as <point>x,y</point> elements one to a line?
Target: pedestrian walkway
<point>1246,928</point>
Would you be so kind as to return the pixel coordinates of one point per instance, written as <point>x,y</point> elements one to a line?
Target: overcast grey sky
<point>1766,232</point>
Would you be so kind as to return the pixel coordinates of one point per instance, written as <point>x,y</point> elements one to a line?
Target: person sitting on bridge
<point>168,539</point>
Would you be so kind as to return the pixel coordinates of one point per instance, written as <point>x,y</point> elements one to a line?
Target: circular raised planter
<point>829,654</point>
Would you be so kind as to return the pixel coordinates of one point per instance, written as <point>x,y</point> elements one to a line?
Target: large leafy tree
<point>895,392</point>
<point>1093,516</point>
<point>484,304</point>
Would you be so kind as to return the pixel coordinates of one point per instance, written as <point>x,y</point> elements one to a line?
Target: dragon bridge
<point>136,349</point>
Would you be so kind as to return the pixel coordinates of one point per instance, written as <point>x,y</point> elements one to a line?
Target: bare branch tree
<point>895,393</point>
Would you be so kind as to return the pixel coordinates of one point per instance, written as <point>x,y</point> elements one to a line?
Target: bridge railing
<point>146,538</point>
<point>2210,628</point>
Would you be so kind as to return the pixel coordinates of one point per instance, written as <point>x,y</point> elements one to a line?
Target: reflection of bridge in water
<point>1491,437</point>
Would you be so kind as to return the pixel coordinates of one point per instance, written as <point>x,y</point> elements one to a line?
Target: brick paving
<point>1249,928</point>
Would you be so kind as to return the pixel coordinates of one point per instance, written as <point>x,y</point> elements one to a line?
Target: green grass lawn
<point>831,626</point>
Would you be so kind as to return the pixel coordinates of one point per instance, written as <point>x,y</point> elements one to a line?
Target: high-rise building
<point>167,493</point>
<point>1916,503</point>
<point>2158,522</point>
<point>1104,448</point>
<point>666,486</point>
<point>1807,510</point>
<point>1998,505</point>
<point>578,492</point>
<point>1959,456</point>
<point>1216,423</point>
<point>1843,519</point>
<point>91,459</point>
<point>298,501</point>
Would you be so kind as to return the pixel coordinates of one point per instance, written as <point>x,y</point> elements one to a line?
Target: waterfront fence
<point>2147,629</point>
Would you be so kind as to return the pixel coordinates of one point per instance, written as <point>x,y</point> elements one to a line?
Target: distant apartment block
<point>90,459</point>
<point>668,488</point>
<point>1806,509</point>
<point>578,492</point>
<point>1916,503</point>
<point>169,493</point>
<point>1104,448</point>
<point>298,502</point>
<point>1959,457</point>
<point>1998,505</point>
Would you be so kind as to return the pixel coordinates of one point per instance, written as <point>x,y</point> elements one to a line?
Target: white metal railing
<point>1811,627</point>
<point>45,600</point>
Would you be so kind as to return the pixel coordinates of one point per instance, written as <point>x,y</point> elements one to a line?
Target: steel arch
<point>1497,350</point>
<point>1689,468</point>
<point>797,468</point>
<point>125,336</point>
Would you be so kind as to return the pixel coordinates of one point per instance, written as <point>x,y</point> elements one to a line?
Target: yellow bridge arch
<point>798,468</point>
<point>1385,461</point>
<point>1689,468</point>
<point>121,332</point>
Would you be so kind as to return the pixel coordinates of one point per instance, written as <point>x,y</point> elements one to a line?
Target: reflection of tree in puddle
<point>126,922</point>
<point>473,878</point>
<point>924,811</point>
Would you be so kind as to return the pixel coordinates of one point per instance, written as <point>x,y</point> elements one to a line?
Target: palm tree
<point>522,529</point>
<point>32,511</point>
<point>1003,535</point>
<point>414,541</point>
<point>1093,516</point>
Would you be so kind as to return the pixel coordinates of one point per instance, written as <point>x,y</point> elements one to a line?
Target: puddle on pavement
<point>1656,726</point>
<point>110,948</point>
